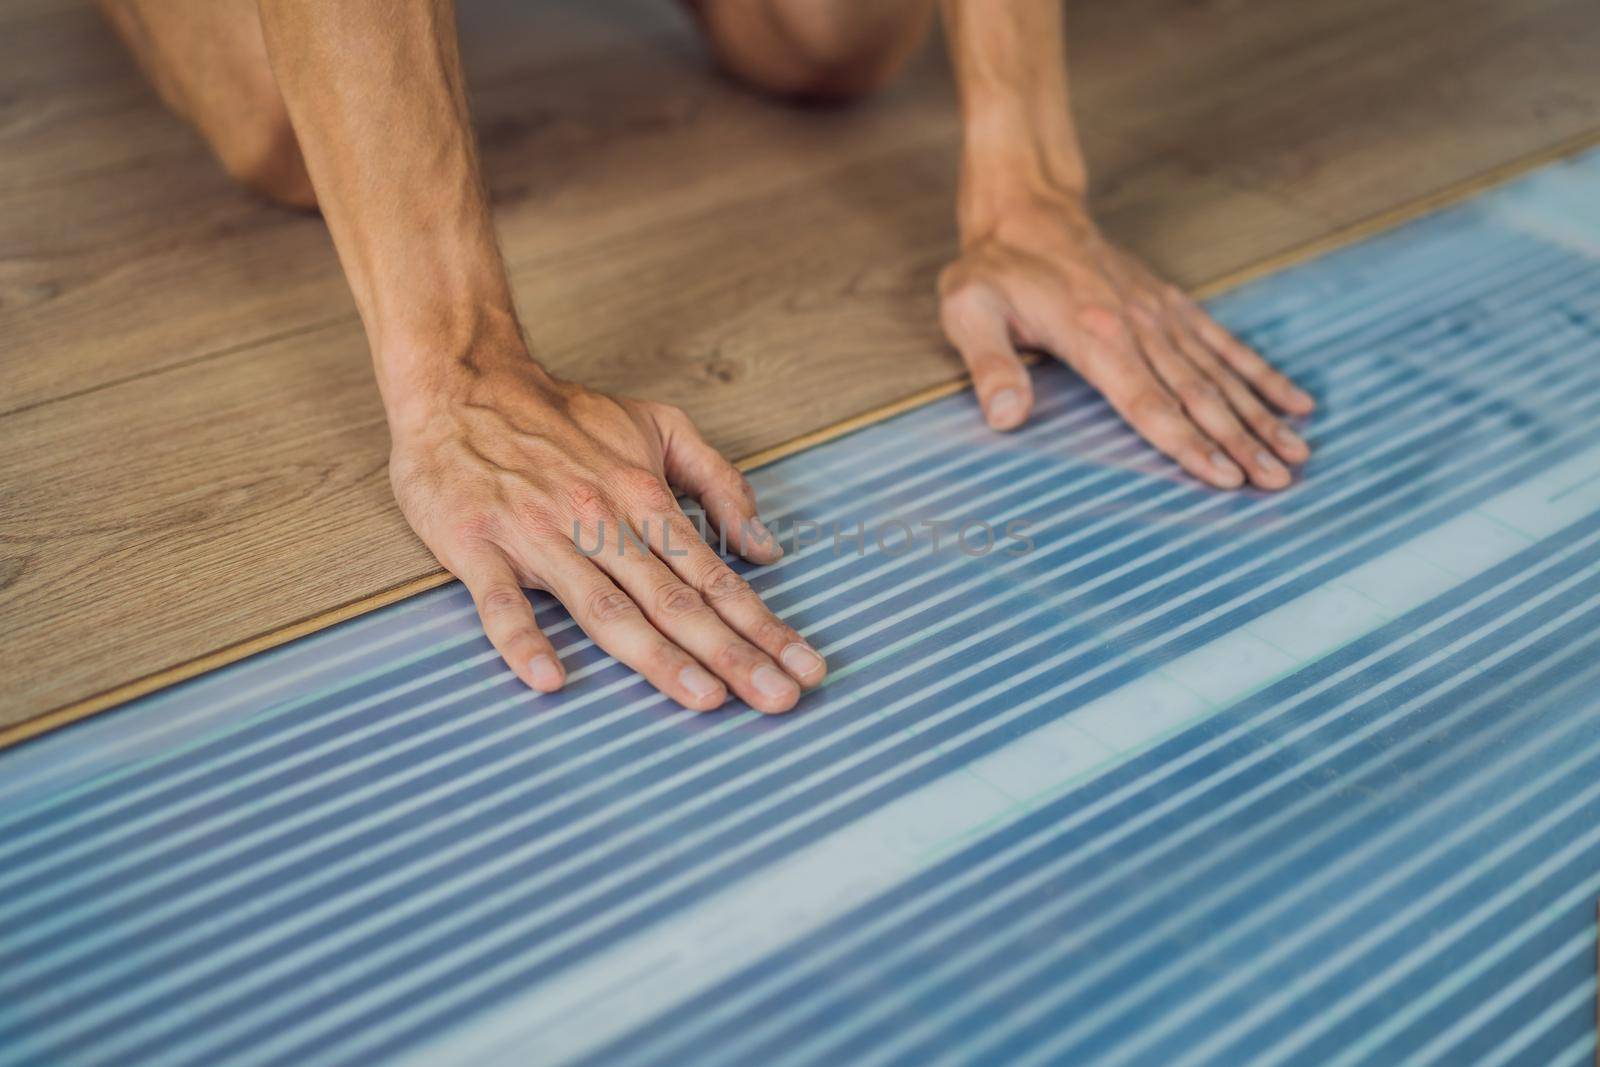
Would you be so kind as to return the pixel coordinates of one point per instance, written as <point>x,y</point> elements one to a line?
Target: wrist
<point>1017,202</point>
<point>457,360</point>
<point>1011,168</point>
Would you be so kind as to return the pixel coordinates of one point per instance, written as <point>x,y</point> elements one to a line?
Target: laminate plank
<point>1367,103</point>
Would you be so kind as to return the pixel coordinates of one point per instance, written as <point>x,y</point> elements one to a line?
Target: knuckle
<point>1101,321</point>
<point>1240,397</point>
<point>1265,426</point>
<point>771,633</point>
<point>1146,313</point>
<point>670,412</point>
<point>502,600</point>
<point>996,369</point>
<point>645,488</point>
<point>732,657</point>
<point>1198,393</point>
<point>585,502</point>
<point>1240,443</point>
<point>739,485</point>
<point>609,606</point>
<point>1151,405</point>
<point>475,527</point>
<point>535,518</point>
<point>955,279</point>
<point>661,658</point>
<point>1216,370</point>
<point>963,304</point>
<point>1229,340</point>
<point>1182,306</point>
<point>722,584</point>
<point>1242,400</point>
<point>1245,356</point>
<point>691,529</point>
<point>677,601</point>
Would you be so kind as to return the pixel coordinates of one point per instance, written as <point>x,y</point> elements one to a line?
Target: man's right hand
<point>500,471</point>
<point>492,460</point>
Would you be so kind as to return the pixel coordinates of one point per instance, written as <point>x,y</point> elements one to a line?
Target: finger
<point>723,492</point>
<point>1244,401</point>
<point>738,605</point>
<point>678,611</point>
<point>1204,402</point>
<point>614,621</point>
<point>1246,361</point>
<point>1107,360</point>
<point>509,622</point>
<point>976,326</point>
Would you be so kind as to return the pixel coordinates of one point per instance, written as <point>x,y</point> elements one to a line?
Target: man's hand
<point>515,479</point>
<point>1042,276</point>
<point>493,460</point>
<point>1035,272</point>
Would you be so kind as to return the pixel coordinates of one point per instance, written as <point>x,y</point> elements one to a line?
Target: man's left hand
<point>1043,277</point>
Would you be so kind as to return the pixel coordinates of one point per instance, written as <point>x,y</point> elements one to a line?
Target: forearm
<point>374,89</point>
<point>1019,142</point>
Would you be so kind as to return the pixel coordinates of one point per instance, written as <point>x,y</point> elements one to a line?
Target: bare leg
<point>208,61</point>
<point>818,49</point>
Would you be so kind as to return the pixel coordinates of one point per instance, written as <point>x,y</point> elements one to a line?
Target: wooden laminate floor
<point>192,454</point>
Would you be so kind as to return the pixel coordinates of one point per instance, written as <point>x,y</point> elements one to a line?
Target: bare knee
<point>816,49</point>
<point>208,61</point>
<point>262,153</point>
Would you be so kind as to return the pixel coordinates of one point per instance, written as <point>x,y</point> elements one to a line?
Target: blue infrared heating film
<point>1145,774</point>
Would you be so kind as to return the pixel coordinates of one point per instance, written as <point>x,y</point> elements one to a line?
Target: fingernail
<point>698,681</point>
<point>773,683</point>
<point>545,672</point>
<point>1005,407</point>
<point>1290,440</point>
<point>1301,397</point>
<point>800,661</point>
<point>1269,463</point>
<point>1227,470</point>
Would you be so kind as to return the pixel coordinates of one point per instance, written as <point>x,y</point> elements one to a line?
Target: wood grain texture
<point>191,449</point>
